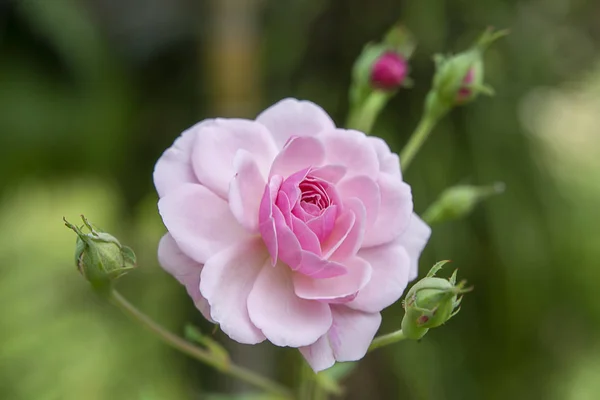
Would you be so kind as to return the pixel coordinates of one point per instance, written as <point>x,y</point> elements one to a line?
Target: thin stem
<point>196,352</point>
<point>385,340</point>
<point>363,116</point>
<point>416,140</point>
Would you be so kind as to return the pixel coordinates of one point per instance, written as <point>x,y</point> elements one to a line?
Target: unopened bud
<point>459,201</point>
<point>100,257</point>
<point>389,71</point>
<point>431,302</point>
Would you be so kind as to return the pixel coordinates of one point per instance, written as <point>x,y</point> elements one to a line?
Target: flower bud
<point>389,71</point>
<point>459,201</point>
<point>99,257</point>
<point>431,302</point>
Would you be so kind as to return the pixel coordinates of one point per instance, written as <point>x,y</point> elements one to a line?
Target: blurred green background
<point>92,91</point>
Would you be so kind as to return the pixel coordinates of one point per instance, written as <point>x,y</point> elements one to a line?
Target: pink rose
<point>289,229</point>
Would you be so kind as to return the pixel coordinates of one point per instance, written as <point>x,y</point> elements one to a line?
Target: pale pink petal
<point>289,249</point>
<point>217,144</point>
<point>299,153</point>
<point>352,332</point>
<point>184,269</point>
<point>227,280</point>
<point>306,237</point>
<point>351,149</point>
<point>265,217</point>
<point>284,318</point>
<point>329,173</point>
<point>174,167</point>
<point>414,240</point>
<point>245,190</point>
<point>324,223</point>
<point>391,266</point>
<point>200,222</point>
<point>319,355</point>
<point>316,267</point>
<point>359,274</point>
<point>367,191</point>
<point>389,162</point>
<point>291,117</point>
<point>352,239</point>
<point>394,212</point>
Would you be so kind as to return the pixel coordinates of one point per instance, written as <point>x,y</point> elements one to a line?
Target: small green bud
<point>431,302</point>
<point>458,201</point>
<point>99,256</point>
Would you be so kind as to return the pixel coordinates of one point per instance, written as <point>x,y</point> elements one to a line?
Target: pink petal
<point>245,190</point>
<point>319,355</point>
<point>227,280</point>
<point>184,269</point>
<point>329,173</point>
<point>391,266</point>
<point>174,167</point>
<point>394,213</point>
<point>306,237</point>
<point>367,191</point>
<point>389,162</point>
<point>298,154</point>
<point>324,223</point>
<point>289,249</point>
<point>199,221</point>
<point>284,318</point>
<point>316,267</point>
<point>359,274</point>
<point>217,144</point>
<point>291,117</point>
<point>352,150</point>
<point>347,236</point>
<point>265,217</point>
<point>414,240</point>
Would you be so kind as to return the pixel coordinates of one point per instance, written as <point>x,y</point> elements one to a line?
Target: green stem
<point>388,339</point>
<point>416,140</point>
<point>196,352</point>
<point>363,117</point>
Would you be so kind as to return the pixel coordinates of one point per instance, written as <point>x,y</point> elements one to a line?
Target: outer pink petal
<point>329,173</point>
<point>217,144</point>
<point>394,213</point>
<point>174,167</point>
<point>414,240</point>
<point>184,269</point>
<point>266,219</point>
<point>353,237</point>
<point>246,190</point>
<point>348,339</point>
<point>367,191</point>
<point>389,162</point>
<point>284,318</point>
<point>351,149</point>
<point>391,266</point>
<point>291,117</point>
<point>298,154</point>
<point>227,280</point>
<point>199,221</point>
<point>359,274</point>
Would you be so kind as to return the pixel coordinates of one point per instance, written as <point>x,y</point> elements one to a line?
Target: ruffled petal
<point>245,190</point>
<point>389,162</point>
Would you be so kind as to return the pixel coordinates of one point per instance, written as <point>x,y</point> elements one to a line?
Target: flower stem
<point>416,140</point>
<point>196,352</point>
<point>388,339</point>
<point>363,117</point>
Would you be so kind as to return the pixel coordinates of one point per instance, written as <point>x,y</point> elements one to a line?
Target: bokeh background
<point>92,91</point>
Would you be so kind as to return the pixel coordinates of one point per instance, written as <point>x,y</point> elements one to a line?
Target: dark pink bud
<point>389,71</point>
<point>465,92</point>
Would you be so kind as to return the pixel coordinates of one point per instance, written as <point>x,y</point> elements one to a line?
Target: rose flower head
<point>288,229</point>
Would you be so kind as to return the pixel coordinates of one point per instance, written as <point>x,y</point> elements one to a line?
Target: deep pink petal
<point>394,213</point>
<point>200,222</point>
<point>391,267</point>
<point>389,162</point>
<point>217,144</point>
<point>414,240</point>
<point>185,270</point>
<point>298,154</point>
<point>359,274</point>
<point>174,167</point>
<point>306,237</point>
<point>291,117</point>
<point>289,249</point>
<point>324,223</point>
<point>340,232</point>
<point>351,149</point>
<point>351,238</point>
<point>284,318</point>
<point>227,280</point>
<point>367,191</point>
<point>245,190</point>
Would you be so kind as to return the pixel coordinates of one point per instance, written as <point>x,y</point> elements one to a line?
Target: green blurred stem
<point>309,388</point>
<point>416,140</point>
<point>388,339</point>
<point>198,353</point>
<point>363,117</point>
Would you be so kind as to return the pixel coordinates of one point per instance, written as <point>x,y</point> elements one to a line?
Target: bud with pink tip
<point>389,71</point>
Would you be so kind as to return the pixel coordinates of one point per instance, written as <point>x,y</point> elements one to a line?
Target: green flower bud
<point>431,302</point>
<point>458,201</point>
<point>99,257</point>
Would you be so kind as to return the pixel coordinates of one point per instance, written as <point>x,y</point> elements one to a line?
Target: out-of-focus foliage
<point>91,92</point>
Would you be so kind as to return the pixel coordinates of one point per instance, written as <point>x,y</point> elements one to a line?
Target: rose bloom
<point>289,229</point>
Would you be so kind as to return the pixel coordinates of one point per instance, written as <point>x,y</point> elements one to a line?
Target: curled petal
<point>347,236</point>
<point>367,191</point>
<point>298,154</point>
<point>245,190</point>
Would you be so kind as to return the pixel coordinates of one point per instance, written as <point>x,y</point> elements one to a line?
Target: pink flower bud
<point>465,92</point>
<point>389,71</point>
